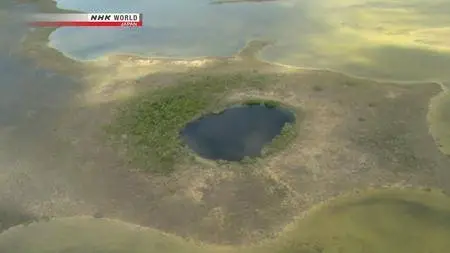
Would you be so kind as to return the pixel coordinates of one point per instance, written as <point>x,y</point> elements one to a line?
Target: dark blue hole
<point>236,132</point>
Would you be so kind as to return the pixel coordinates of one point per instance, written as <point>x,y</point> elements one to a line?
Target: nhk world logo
<point>115,17</point>
<point>88,20</point>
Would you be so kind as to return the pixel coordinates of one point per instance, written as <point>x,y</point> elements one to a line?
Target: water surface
<point>171,28</point>
<point>401,40</point>
<point>237,132</point>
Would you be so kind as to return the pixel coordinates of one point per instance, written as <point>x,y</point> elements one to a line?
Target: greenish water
<point>403,40</point>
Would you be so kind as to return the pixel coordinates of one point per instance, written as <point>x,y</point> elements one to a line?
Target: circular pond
<point>237,132</point>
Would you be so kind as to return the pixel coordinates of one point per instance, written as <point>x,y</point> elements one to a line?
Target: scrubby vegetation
<point>149,125</point>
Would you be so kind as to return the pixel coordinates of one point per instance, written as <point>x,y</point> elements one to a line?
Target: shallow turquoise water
<point>174,28</point>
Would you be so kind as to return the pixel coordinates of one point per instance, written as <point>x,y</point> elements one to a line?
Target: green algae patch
<point>149,125</point>
<point>388,220</point>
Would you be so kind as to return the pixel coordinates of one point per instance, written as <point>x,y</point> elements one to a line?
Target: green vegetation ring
<point>148,126</point>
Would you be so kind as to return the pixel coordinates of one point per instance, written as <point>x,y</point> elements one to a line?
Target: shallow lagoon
<point>172,28</point>
<point>378,38</point>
